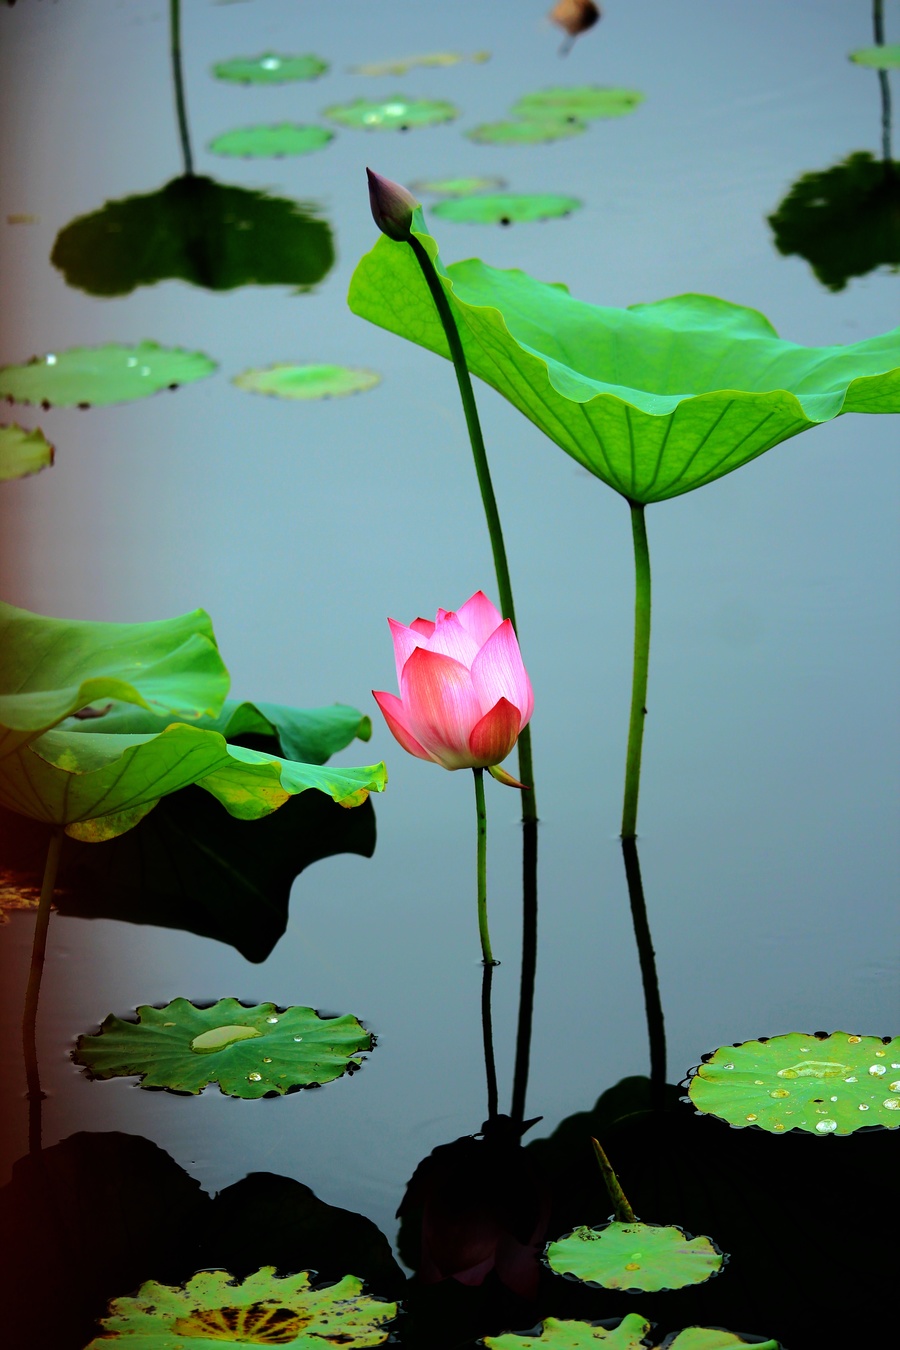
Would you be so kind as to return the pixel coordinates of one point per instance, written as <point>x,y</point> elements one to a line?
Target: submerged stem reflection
<point>178,81</point>
<point>33,991</point>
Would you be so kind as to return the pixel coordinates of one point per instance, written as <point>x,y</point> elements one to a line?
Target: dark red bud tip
<point>392,207</point>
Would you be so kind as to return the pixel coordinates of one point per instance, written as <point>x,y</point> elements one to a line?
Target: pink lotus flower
<point>464,692</point>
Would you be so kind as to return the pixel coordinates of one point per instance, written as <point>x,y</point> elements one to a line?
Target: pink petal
<point>498,672</point>
<point>479,617</point>
<point>423,626</point>
<point>451,638</point>
<point>395,717</point>
<point>495,735</point>
<point>405,641</point>
<point>440,706</point>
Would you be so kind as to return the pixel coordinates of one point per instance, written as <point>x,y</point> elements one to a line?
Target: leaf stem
<point>481,816</point>
<point>33,990</point>
<point>656,1027</point>
<point>178,79</point>
<point>640,669</point>
<point>621,1209</point>
<point>482,469</point>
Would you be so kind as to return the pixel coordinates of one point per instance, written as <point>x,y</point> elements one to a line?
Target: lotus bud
<point>392,207</point>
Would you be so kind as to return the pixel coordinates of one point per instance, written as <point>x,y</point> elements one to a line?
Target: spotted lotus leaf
<point>398,113</point>
<point>505,208</point>
<point>23,451</point>
<point>88,377</point>
<point>629,1334</point>
<point>635,1256</point>
<point>269,68</point>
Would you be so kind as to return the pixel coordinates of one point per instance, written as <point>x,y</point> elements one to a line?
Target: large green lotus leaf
<point>823,1085</point>
<point>271,142</point>
<point>886,57</point>
<point>633,1256</point>
<point>714,1338</point>
<point>212,1309</point>
<point>51,668</point>
<point>247,1051</point>
<point>307,382</point>
<point>656,399</point>
<point>504,208</point>
<point>99,785</point>
<point>430,60</point>
<point>269,68</point>
<point>534,131</point>
<point>23,451</point>
<point>89,377</point>
<point>398,113</point>
<point>582,102</point>
<point>558,1335</point>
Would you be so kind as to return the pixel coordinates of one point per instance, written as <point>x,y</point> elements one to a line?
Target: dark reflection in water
<point>194,229</point>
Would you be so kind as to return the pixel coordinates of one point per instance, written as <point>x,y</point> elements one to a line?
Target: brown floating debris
<point>575,16</point>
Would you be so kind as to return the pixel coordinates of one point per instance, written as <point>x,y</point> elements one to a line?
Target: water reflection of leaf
<point>504,208</point>
<point>196,230</point>
<point>431,60</point>
<point>537,131</point>
<point>584,102</point>
<point>307,382</point>
<point>23,451</point>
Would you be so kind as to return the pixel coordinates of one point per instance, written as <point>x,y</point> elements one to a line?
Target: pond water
<point>768,807</point>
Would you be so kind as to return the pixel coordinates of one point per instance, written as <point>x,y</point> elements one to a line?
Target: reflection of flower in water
<point>484,1206</point>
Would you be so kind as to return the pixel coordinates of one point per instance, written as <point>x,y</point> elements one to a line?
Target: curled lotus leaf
<point>583,103</point>
<point>307,382</point>
<point>398,113</point>
<point>261,1310</point>
<point>820,1084</point>
<point>430,61</point>
<point>457,187</point>
<point>715,1338</point>
<point>271,142</point>
<point>249,1052</point>
<point>534,131</point>
<point>23,451</point>
<point>504,208</point>
<point>555,1334</point>
<point>655,400</point>
<point>88,377</point>
<point>635,1256</point>
<point>885,57</point>
<point>269,68</point>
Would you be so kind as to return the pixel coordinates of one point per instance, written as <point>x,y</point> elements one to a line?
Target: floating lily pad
<point>247,1051</point>
<point>714,1338</point>
<point>262,1310</point>
<point>629,1334</point>
<point>398,113</point>
<point>886,57</point>
<point>819,1084</point>
<point>504,208</point>
<point>431,60</point>
<point>89,377</point>
<point>286,138</point>
<point>582,103</point>
<point>635,1256</point>
<point>269,68</point>
<point>537,131</point>
<point>457,187</point>
<point>23,452</point>
<point>307,382</point>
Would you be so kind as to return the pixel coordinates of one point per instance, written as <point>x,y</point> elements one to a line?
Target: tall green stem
<point>33,990</point>
<point>639,674</point>
<point>178,79</point>
<point>656,1027</point>
<point>481,816</point>
<point>884,83</point>
<point>529,969</point>
<point>487,1035</point>
<point>482,469</point>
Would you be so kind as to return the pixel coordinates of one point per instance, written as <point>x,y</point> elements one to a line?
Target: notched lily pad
<point>249,1052</point>
<point>271,142</point>
<point>23,452</point>
<point>88,377</point>
<point>886,57</point>
<point>269,68</point>
<point>504,208</point>
<point>536,131</point>
<point>628,1334</point>
<point>635,1257</point>
<point>457,187</point>
<point>398,113</point>
<point>583,103</point>
<point>430,61</point>
<point>262,1310</point>
<point>714,1338</point>
<point>307,382</point>
<point>822,1085</point>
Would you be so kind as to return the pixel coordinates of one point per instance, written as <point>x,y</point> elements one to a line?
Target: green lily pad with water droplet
<point>537,131</point>
<point>23,452</point>
<point>584,103</point>
<point>89,377</point>
<point>271,142</point>
<point>213,1308</point>
<point>269,68</point>
<point>821,1085</point>
<point>504,208</point>
<point>635,1256</point>
<point>398,113</point>
<point>886,57</point>
<point>457,187</point>
<point>307,382</point>
<point>432,60</point>
<point>556,1334</point>
<point>714,1338</point>
<point>247,1051</point>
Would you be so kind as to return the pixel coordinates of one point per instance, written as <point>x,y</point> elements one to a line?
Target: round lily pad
<point>822,1084</point>
<point>582,103</point>
<point>284,381</point>
<point>878,58</point>
<point>22,451</point>
<point>249,1052</point>
<point>554,1334</point>
<point>398,113</point>
<point>271,142</point>
<point>714,1338</point>
<point>213,1308</point>
<point>269,68</point>
<point>457,187</point>
<point>92,376</point>
<point>635,1256</point>
<point>537,131</point>
<point>504,208</point>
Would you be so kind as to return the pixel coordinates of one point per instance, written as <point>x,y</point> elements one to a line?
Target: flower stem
<point>487,1033</point>
<point>178,79</point>
<point>481,815</point>
<point>639,675</point>
<point>33,990</point>
<point>482,469</point>
<point>621,1208</point>
<point>529,968</point>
